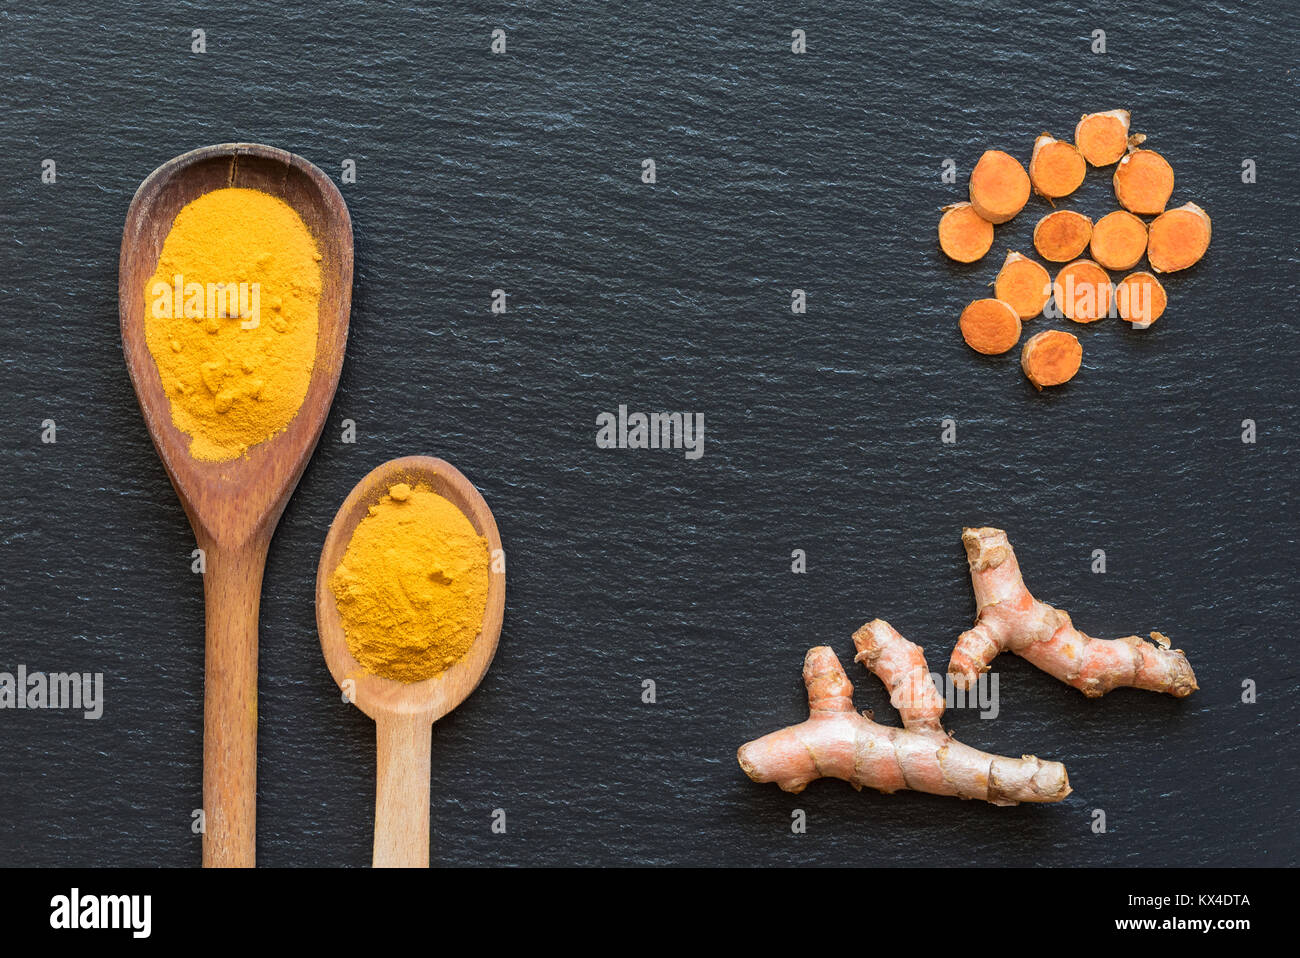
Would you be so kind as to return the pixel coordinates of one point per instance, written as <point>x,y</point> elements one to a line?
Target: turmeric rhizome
<point>964,235</point>
<point>1062,236</point>
<point>1103,138</point>
<point>837,741</point>
<point>231,319</point>
<point>999,186</point>
<point>1051,358</point>
<point>1140,299</point>
<point>1118,240</point>
<point>1056,168</point>
<point>1023,285</point>
<point>1178,238</point>
<point>1144,181</point>
<point>990,326</point>
<point>1082,291</point>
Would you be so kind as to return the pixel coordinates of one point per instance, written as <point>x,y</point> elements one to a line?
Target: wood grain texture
<point>404,711</point>
<point>233,506</point>
<point>402,791</point>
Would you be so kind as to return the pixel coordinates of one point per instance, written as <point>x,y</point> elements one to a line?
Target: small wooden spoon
<point>404,712</point>
<point>234,506</point>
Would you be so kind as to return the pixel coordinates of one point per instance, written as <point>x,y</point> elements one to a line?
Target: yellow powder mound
<point>235,362</point>
<point>412,586</point>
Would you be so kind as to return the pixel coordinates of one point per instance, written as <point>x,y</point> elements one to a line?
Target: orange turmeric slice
<point>964,235</point>
<point>1179,238</point>
<point>1144,181</point>
<point>1051,358</point>
<point>1056,168</point>
<point>1102,138</point>
<point>1118,240</point>
<point>1062,236</point>
<point>1023,285</point>
<point>990,326</point>
<point>1140,299</point>
<point>1082,291</point>
<point>999,186</point>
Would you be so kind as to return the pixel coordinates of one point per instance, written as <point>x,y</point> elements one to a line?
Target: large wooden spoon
<point>234,506</point>
<point>404,712</point>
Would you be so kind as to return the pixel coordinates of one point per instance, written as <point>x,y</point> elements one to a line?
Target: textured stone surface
<point>774,171</point>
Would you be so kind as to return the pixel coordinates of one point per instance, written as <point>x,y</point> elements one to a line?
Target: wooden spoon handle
<point>232,588</point>
<point>402,791</point>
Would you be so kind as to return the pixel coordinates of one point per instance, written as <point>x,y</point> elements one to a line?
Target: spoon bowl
<point>233,506</point>
<point>404,712</point>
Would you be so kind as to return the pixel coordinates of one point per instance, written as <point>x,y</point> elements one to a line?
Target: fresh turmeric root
<point>964,235</point>
<point>1051,358</point>
<point>990,326</point>
<point>1143,181</point>
<point>1179,238</point>
<point>1056,168</point>
<point>1118,240</point>
<point>999,186</point>
<point>1140,299</point>
<point>1082,291</point>
<point>1023,285</point>
<point>1062,236</point>
<point>837,742</point>
<point>1009,618</point>
<point>1103,138</point>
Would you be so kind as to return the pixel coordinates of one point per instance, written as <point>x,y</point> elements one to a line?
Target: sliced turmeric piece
<point>1082,291</point>
<point>1140,299</point>
<point>1144,181</point>
<point>990,326</point>
<point>1062,236</point>
<point>964,235</point>
<point>1118,240</point>
<point>1023,285</point>
<point>999,186</point>
<point>1179,238</point>
<point>1056,168</point>
<point>1051,358</point>
<point>1102,138</point>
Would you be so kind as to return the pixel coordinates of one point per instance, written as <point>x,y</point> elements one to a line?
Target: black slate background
<point>775,171</point>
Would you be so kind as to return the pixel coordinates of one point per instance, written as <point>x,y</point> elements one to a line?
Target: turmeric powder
<point>412,585</point>
<point>231,319</point>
